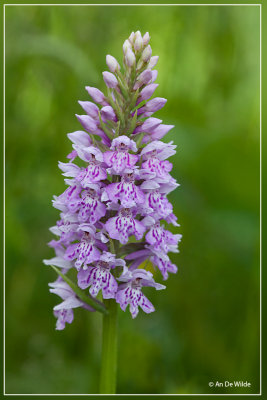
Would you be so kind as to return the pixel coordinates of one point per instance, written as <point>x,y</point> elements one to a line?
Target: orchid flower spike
<point>111,230</point>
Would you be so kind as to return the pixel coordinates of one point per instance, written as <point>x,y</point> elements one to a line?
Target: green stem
<point>109,349</point>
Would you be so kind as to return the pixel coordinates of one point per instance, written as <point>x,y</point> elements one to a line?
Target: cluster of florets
<point>112,212</point>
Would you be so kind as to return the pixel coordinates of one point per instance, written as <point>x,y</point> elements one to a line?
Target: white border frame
<point>132,394</point>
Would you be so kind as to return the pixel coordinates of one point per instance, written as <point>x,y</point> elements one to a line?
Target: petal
<point>146,305</point>
<point>84,277</point>
<point>58,262</point>
<point>70,302</point>
<point>71,251</point>
<point>80,138</point>
<point>69,169</point>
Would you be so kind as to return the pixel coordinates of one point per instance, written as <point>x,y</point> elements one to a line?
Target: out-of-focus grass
<point>206,326</point>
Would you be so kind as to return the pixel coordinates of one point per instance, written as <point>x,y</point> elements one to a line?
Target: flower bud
<point>90,108</point>
<point>154,75</point>
<point>146,38</point>
<point>153,61</point>
<point>138,41</point>
<point>146,54</point>
<point>160,131</point>
<point>87,122</point>
<point>112,63</point>
<point>155,104</point>
<point>149,125</point>
<point>110,79</point>
<point>147,92</point>
<point>131,37</point>
<point>107,112</point>
<point>130,58</point>
<point>143,78</point>
<point>96,95</point>
<point>126,45</point>
<point>80,137</point>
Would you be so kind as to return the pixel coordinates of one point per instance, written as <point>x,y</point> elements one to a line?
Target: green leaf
<point>97,305</point>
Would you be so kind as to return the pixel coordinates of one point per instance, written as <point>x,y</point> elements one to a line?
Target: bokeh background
<point>206,326</point>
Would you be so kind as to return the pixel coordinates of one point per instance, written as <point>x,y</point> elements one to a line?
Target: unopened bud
<point>110,79</point>
<point>146,38</point>
<point>154,76</point>
<point>138,42</point>
<point>88,123</point>
<point>126,45</point>
<point>90,108</point>
<point>155,104</point>
<point>131,37</point>
<point>112,63</point>
<point>153,61</point>
<point>97,95</point>
<point>148,91</point>
<point>146,54</point>
<point>130,58</point>
<point>143,78</point>
<point>107,112</point>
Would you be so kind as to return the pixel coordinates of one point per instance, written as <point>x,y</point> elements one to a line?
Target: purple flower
<point>99,276</point>
<point>164,265</point>
<point>131,291</point>
<point>120,160</point>
<point>64,311</point>
<point>85,252</point>
<point>66,229</point>
<point>90,208</point>
<point>159,204</point>
<point>161,239</point>
<point>155,154</point>
<point>94,172</point>
<point>124,225</point>
<point>61,202</point>
<point>126,191</point>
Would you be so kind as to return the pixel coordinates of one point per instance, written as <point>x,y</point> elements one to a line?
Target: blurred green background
<point>206,326</point>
